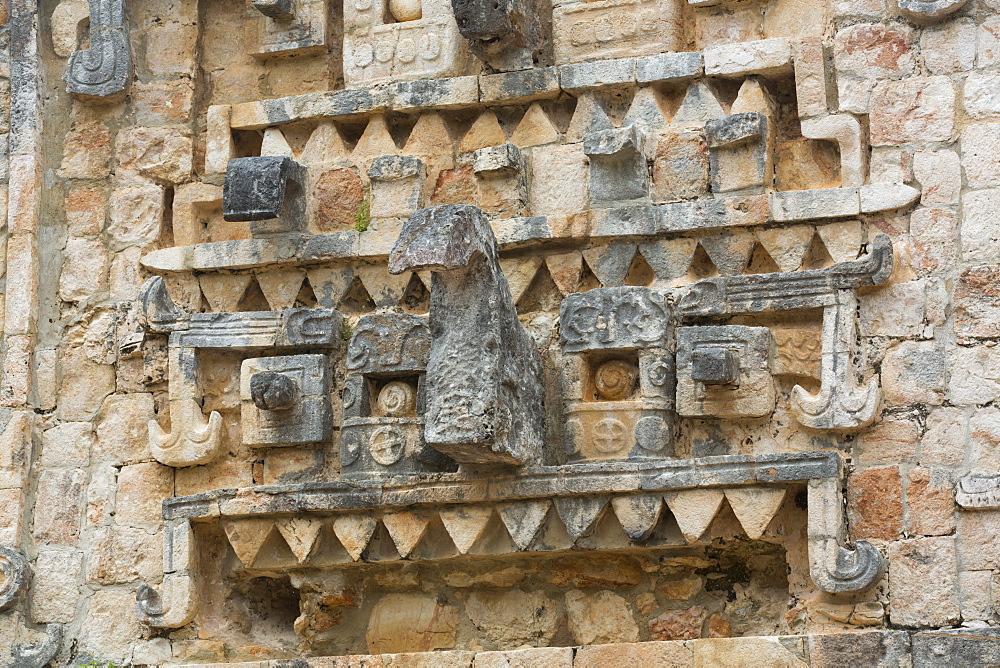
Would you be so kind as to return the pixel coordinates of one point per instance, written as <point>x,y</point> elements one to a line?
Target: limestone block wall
<point>644,145</point>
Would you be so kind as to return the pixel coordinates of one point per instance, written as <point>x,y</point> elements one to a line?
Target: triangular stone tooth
<point>611,263</point>
<point>329,284</point>
<point>385,289</point>
<point>485,132</point>
<point>406,530</point>
<point>699,105</point>
<point>325,146</point>
<point>247,537</point>
<point>523,520</point>
<point>520,271</point>
<point>355,532</point>
<point>465,524</point>
<point>224,291</point>
<point>535,128</point>
<point>842,240</point>
<point>753,97</point>
<point>375,141</point>
<point>580,513</point>
<point>430,137</point>
<point>275,144</point>
<point>669,258</point>
<point>300,533</point>
<point>647,113</point>
<point>638,513</point>
<point>787,246</point>
<point>729,251</point>
<point>565,270</point>
<point>281,287</point>
<point>694,510</point>
<point>589,116</point>
<point>755,507</point>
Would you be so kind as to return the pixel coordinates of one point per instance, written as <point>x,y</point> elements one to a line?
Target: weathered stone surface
<point>914,372</point>
<point>875,503</point>
<point>58,506</point>
<point>411,622</point>
<point>923,573</point>
<point>136,216</point>
<point>930,506</point>
<point>56,587</point>
<point>466,380</point>
<point>267,191</point>
<point>677,624</point>
<point>105,69</point>
<point>141,488</point>
<point>645,653</point>
<point>539,657</point>
<point>599,618</point>
<point>122,554</point>
<point>979,646</point>
<point>917,109</point>
<point>513,618</point>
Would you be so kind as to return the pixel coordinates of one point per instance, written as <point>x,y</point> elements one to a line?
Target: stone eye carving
<point>397,399</point>
<point>615,380</point>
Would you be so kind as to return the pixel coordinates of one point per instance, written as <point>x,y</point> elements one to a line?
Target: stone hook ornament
<point>842,404</point>
<point>105,69</point>
<point>15,573</point>
<point>484,376</point>
<point>40,654</point>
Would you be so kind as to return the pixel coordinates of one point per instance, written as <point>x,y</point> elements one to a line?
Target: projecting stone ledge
<point>657,503</point>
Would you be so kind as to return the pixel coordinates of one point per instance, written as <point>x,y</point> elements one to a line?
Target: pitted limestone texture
<point>267,191</point>
<point>105,69</point>
<point>484,375</point>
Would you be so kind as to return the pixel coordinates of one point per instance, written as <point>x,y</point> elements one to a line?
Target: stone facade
<point>515,333</point>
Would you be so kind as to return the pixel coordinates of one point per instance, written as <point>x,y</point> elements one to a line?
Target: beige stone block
<point>535,657</point>
<point>559,180</point>
<point>136,216</point>
<point>694,510</point>
<point>67,445</point>
<point>919,109</point>
<point>65,21</point>
<point>893,439</point>
<point>84,272</point>
<point>163,154</point>
<point>535,129</point>
<point>765,56</point>
<point>55,589</point>
<point>982,95</point>
<point>923,577</point>
<point>83,384</point>
<point>984,433</point>
<point>846,131</point>
<point>58,506</point>
<point>124,554</point>
<point>171,44</point>
<point>125,278</point>
<point>411,623</point>
<point>15,449</point>
<point>21,306</point>
<point>141,489</point>
<point>976,595</point>
<point>975,375</point>
<point>745,652</point>
<point>614,29</point>
<point>11,515</point>
<point>979,539</point>
<point>219,147</point>
<point>945,437</point>
<point>513,617</point>
<point>980,226</point>
<point>16,377</point>
<point>664,653</point>
<point>101,494</point>
<point>107,631</point>
<point>980,158</point>
<point>894,310</point>
<point>988,42</point>
<point>930,502</point>
<point>680,170</point>
<point>338,196</point>
<point>875,51</point>
<point>485,132</point>
<point>151,652</point>
<point>163,102</point>
<point>600,618</point>
<point>220,474</point>
<point>743,24</point>
<point>914,373</point>
<point>86,151</point>
<point>949,47</point>
<point>86,210</point>
<point>791,19</point>
<point>122,434</point>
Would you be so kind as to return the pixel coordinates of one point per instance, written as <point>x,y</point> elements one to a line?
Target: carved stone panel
<point>105,69</point>
<point>383,45</point>
<point>618,374</point>
<point>384,403</point>
<point>615,29</point>
<point>723,372</point>
<point>286,400</point>
<point>286,27</point>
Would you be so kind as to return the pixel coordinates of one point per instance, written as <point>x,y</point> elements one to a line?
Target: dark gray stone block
<point>959,648</point>
<point>669,67</point>
<point>744,127</point>
<point>105,69</point>
<point>279,10</point>
<point>508,34</point>
<point>484,375</point>
<point>617,165</point>
<point>268,191</point>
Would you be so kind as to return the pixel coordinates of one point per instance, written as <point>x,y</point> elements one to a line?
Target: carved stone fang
<point>158,312</point>
<point>104,69</point>
<point>172,608</point>
<point>40,654</point>
<point>929,11</point>
<point>835,568</point>
<point>16,574</point>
